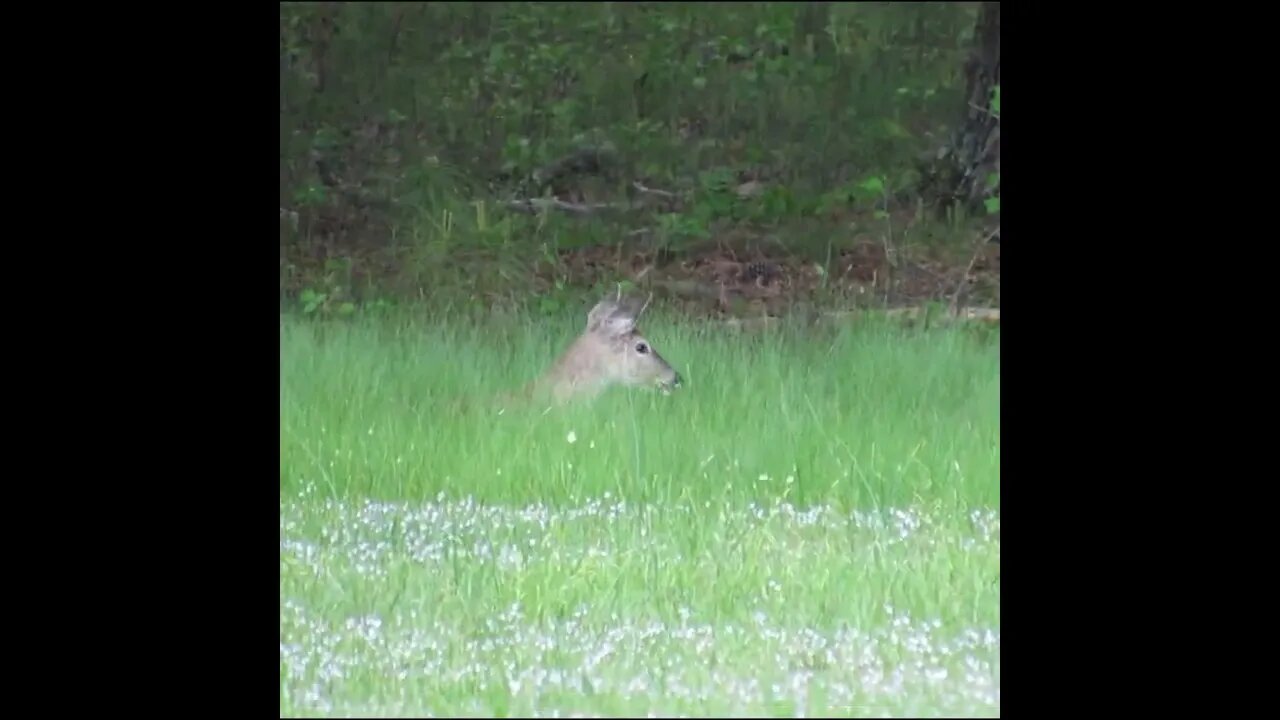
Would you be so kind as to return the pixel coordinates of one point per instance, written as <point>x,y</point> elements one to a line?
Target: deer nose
<point>677,381</point>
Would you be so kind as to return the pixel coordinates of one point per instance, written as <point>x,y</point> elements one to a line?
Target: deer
<point>609,352</point>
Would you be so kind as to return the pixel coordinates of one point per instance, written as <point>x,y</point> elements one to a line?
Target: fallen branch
<point>533,206</point>
<point>989,315</point>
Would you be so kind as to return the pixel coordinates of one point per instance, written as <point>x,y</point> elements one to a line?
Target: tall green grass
<point>858,416</point>
<point>811,524</point>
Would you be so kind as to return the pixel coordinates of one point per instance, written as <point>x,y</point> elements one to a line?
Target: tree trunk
<point>964,171</point>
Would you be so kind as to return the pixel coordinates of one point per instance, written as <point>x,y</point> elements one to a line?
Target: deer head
<point>610,352</point>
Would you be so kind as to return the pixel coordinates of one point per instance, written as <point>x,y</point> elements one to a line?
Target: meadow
<point>809,526</point>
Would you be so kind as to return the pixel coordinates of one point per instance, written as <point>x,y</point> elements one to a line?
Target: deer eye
<point>642,348</point>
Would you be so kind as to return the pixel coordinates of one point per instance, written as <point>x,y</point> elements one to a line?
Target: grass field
<point>810,526</point>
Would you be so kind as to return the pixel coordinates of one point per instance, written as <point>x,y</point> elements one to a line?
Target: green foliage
<point>395,117</point>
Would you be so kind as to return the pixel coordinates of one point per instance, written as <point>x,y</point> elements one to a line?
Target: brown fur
<point>611,351</point>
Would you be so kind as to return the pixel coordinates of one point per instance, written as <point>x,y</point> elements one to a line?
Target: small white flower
<point>572,438</point>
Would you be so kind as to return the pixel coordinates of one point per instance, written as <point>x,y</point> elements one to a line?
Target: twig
<point>964,279</point>
<point>983,110</point>
<point>654,191</point>
<point>889,253</point>
<point>646,305</point>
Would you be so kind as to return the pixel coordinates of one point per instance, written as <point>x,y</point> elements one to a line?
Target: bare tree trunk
<point>962,171</point>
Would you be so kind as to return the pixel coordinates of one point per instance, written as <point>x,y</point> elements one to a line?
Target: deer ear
<point>611,319</point>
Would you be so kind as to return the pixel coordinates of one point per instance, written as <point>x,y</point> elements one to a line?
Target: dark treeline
<point>413,134</point>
